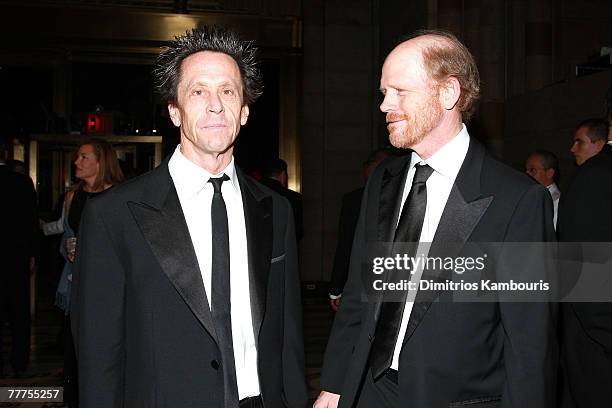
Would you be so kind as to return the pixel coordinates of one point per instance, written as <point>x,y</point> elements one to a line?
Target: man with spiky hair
<point>186,290</point>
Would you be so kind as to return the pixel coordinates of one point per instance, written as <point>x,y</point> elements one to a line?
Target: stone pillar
<point>313,136</point>
<point>338,133</point>
<point>538,44</point>
<point>62,86</point>
<point>491,63</point>
<point>451,16</point>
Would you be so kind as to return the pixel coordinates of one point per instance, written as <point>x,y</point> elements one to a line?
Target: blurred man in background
<point>589,138</point>
<point>585,215</point>
<point>543,166</point>
<point>19,228</point>
<point>275,176</point>
<point>349,213</point>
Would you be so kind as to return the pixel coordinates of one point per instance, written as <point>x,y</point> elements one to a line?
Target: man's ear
<point>449,92</point>
<point>550,174</point>
<point>175,114</point>
<point>284,179</point>
<point>244,114</point>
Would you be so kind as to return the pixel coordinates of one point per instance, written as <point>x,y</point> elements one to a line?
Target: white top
<point>195,195</point>
<point>446,163</point>
<point>555,193</point>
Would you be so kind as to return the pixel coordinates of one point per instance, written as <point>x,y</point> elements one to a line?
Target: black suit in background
<point>294,198</point>
<point>585,215</point>
<point>19,228</point>
<point>454,354</point>
<point>349,214</point>
<point>143,328</point>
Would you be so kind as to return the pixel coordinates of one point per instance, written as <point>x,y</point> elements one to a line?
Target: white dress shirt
<point>555,193</point>
<point>446,163</point>
<point>195,195</point>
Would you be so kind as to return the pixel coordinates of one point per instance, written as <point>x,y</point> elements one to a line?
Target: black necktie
<point>409,231</point>
<point>220,296</point>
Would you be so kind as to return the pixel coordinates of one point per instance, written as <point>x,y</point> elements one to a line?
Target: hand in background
<point>71,248</point>
<point>327,399</point>
<point>335,303</point>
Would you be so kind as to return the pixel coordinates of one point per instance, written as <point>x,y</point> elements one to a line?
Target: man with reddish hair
<point>426,352</point>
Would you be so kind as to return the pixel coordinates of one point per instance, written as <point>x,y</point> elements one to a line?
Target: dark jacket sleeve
<point>97,313</point>
<point>298,213</point>
<point>530,345</point>
<point>349,213</point>
<point>21,212</point>
<point>347,323</point>
<point>585,209</point>
<point>294,383</point>
<point>585,215</point>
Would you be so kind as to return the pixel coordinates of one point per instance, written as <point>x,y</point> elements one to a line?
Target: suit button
<point>214,364</point>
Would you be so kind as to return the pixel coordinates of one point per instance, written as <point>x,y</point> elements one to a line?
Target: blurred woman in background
<point>97,169</point>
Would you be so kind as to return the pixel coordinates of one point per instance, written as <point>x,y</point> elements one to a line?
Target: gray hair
<point>167,69</point>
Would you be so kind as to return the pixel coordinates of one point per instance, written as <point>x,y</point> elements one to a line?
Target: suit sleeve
<point>27,213</point>
<point>33,220</point>
<point>299,217</point>
<point>585,209</point>
<point>294,383</point>
<point>530,345</point>
<point>347,323</point>
<point>585,215</point>
<point>97,307</point>
<point>346,234</point>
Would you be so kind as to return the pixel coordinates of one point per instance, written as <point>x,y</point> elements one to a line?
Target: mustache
<point>394,117</point>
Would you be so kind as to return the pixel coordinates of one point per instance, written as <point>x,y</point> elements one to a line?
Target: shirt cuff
<point>334,297</point>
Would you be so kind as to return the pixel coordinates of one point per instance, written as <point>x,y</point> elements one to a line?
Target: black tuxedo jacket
<point>585,207</point>
<point>143,329</point>
<point>454,354</point>
<point>585,215</point>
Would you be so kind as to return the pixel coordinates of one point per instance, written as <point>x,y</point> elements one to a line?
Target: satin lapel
<point>162,223</point>
<point>389,202</point>
<point>391,189</point>
<point>464,209</point>
<point>258,220</point>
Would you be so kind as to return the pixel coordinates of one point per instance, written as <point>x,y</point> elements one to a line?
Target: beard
<point>414,129</point>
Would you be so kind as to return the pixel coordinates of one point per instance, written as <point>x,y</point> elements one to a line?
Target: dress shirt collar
<point>609,142</point>
<point>189,178</point>
<point>448,160</point>
<point>553,189</point>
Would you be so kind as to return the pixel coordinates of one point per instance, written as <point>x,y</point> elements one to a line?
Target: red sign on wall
<point>100,123</point>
